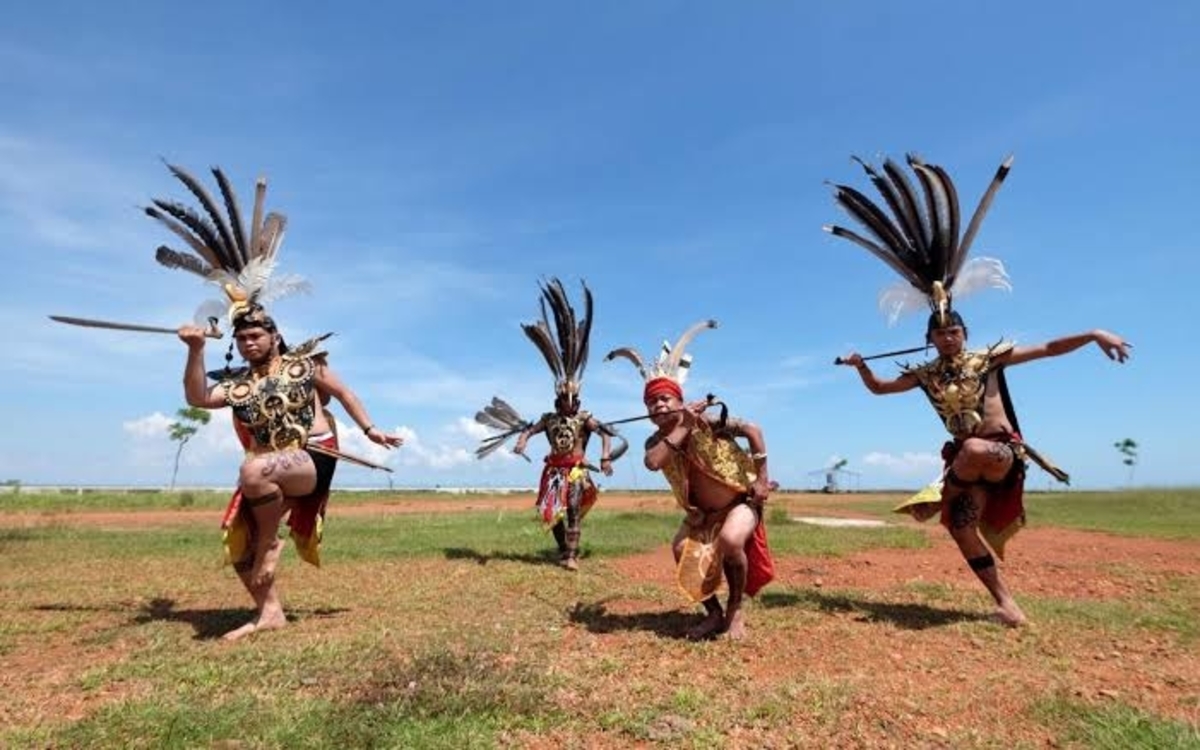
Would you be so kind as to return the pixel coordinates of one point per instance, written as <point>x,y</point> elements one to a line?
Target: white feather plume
<point>685,366</point>
<point>980,273</point>
<point>662,367</point>
<point>901,298</point>
<point>284,286</point>
<point>211,308</point>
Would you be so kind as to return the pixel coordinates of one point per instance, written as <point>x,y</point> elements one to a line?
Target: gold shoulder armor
<point>1001,347</point>
<point>309,348</point>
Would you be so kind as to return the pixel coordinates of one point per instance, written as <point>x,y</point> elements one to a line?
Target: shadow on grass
<point>597,619</point>
<point>907,616</point>
<point>208,624</point>
<point>542,557</point>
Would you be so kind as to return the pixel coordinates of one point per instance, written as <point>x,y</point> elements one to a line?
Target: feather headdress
<point>565,346</point>
<point>670,369</point>
<point>920,240</point>
<point>239,259</point>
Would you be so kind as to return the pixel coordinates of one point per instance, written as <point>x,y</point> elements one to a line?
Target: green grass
<point>72,500</point>
<point>440,699</point>
<point>1172,611</point>
<point>1114,726</point>
<point>513,535</point>
<point>1165,514</point>
<point>452,631</point>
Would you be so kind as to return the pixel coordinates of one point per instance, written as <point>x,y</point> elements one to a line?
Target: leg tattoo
<point>963,512</point>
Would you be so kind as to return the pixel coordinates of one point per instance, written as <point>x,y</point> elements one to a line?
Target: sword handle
<point>214,329</point>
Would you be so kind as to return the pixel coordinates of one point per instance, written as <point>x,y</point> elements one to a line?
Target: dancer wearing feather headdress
<point>980,493</point>
<point>277,400</point>
<point>721,486</point>
<point>566,491</point>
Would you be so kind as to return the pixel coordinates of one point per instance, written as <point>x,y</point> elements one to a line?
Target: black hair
<point>935,322</point>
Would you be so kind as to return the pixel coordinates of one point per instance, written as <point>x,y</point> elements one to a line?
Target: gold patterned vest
<point>717,455</point>
<point>277,407</point>
<point>956,386</point>
<point>564,431</point>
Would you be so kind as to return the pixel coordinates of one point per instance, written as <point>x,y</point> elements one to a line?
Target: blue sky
<point>436,160</point>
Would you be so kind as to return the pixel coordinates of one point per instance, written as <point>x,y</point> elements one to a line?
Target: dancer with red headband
<point>722,487</point>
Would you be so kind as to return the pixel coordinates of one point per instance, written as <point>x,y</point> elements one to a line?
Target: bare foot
<point>238,633</point>
<point>735,626</point>
<point>1009,615</point>
<point>712,624</point>
<point>570,563</point>
<point>265,563</point>
<point>266,621</point>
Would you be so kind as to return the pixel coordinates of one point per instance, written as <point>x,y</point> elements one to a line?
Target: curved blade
<point>212,332</point>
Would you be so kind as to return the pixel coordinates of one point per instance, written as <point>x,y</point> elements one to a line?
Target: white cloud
<point>444,455</point>
<point>150,444</point>
<point>907,464</point>
<point>155,426</point>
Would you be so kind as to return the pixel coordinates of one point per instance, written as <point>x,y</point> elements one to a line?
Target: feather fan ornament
<point>240,260</point>
<point>673,361</point>
<point>498,415</point>
<point>918,235</point>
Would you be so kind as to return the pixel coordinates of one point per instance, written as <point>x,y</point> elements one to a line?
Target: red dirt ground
<point>915,697</point>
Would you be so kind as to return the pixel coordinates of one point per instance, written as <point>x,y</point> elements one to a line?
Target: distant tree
<point>1129,454</point>
<point>190,420</point>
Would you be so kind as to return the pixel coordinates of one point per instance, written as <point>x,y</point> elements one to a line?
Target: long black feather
<point>183,261</point>
<point>870,216</point>
<point>895,200</point>
<point>935,202</point>
<point>929,249</point>
<point>564,323</point>
<point>210,206</point>
<point>911,204</point>
<point>953,217</point>
<point>539,334</point>
<point>186,235</point>
<point>985,203</point>
<point>205,231</point>
<point>885,255</point>
<point>235,215</point>
<point>584,335</point>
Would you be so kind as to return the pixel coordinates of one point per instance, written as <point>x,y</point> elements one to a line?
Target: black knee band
<point>254,502</point>
<point>983,562</point>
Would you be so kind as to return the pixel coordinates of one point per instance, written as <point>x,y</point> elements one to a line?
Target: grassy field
<point>455,630</point>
